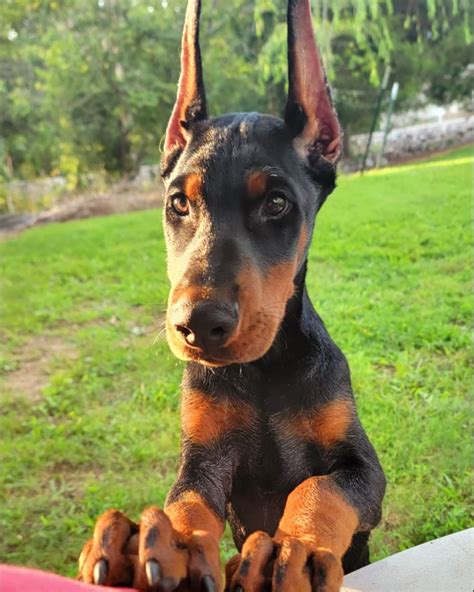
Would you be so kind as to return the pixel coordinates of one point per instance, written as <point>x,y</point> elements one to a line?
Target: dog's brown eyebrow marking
<point>193,186</point>
<point>256,183</point>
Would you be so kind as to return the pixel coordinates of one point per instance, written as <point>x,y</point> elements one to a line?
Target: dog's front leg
<point>315,531</point>
<point>178,548</point>
<point>321,516</point>
<point>174,549</point>
<point>196,509</point>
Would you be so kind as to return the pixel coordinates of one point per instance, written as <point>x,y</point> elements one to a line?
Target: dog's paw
<point>149,556</point>
<point>283,566</point>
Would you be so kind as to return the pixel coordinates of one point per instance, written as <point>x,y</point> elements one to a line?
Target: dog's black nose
<point>208,324</point>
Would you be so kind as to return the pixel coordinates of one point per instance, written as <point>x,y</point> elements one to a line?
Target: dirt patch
<point>68,479</point>
<point>118,202</point>
<point>139,325</point>
<point>121,199</point>
<point>35,360</point>
<point>385,367</point>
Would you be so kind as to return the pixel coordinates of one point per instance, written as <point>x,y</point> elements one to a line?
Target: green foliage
<point>426,43</point>
<point>90,85</point>
<point>101,74</point>
<point>390,273</point>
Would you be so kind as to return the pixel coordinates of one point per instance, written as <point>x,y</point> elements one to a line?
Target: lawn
<point>90,392</point>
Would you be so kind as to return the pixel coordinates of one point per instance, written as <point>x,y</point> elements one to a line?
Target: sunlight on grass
<point>417,167</point>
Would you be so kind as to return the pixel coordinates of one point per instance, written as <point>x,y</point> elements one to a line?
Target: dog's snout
<point>206,325</point>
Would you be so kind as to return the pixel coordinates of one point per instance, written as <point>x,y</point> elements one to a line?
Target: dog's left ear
<point>309,113</point>
<point>190,103</point>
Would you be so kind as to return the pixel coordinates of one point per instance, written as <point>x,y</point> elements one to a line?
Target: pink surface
<point>22,579</point>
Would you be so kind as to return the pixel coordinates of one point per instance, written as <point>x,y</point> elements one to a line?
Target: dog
<point>271,441</point>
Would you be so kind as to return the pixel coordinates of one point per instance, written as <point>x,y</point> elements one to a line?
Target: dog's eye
<point>180,204</point>
<point>275,205</point>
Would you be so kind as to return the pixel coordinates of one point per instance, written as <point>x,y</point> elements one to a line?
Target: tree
<point>90,85</point>
<point>428,44</point>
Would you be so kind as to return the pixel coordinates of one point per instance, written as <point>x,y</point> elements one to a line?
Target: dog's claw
<point>100,572</point>
<point>208,584</point>
<point>153,572</point>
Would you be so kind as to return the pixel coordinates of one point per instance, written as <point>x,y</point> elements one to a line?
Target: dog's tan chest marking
<point>205,420</point>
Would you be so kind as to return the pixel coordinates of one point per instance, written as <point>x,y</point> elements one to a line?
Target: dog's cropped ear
<point>190,103</point>
<point>309,113</point>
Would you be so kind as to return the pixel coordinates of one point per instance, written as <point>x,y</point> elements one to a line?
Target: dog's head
<point>242,192</point>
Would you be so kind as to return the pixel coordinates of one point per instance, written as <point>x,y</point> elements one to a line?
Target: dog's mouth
<point>204,358</point>
<point>244,347</point>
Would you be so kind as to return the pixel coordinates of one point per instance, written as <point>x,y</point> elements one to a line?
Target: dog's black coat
<point>248,475</point>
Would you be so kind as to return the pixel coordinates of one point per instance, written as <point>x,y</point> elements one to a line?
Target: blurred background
<point>89,391</point>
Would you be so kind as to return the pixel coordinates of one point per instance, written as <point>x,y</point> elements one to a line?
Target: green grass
<point>390,272</point>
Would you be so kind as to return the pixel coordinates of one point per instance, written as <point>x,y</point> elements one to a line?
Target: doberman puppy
<point>271,440</point>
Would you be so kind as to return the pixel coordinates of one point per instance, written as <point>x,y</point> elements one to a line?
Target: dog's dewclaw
<point>100,572</point>
<point>153,571</point>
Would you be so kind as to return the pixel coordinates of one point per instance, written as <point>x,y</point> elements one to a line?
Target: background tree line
<point>88,85</point>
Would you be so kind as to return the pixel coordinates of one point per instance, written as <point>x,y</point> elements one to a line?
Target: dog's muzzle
<point>206,325</point>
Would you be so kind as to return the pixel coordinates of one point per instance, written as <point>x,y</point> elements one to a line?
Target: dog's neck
<point>301,346</point>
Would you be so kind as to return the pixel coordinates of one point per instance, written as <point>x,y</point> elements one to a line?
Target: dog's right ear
<point>190,103</point>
